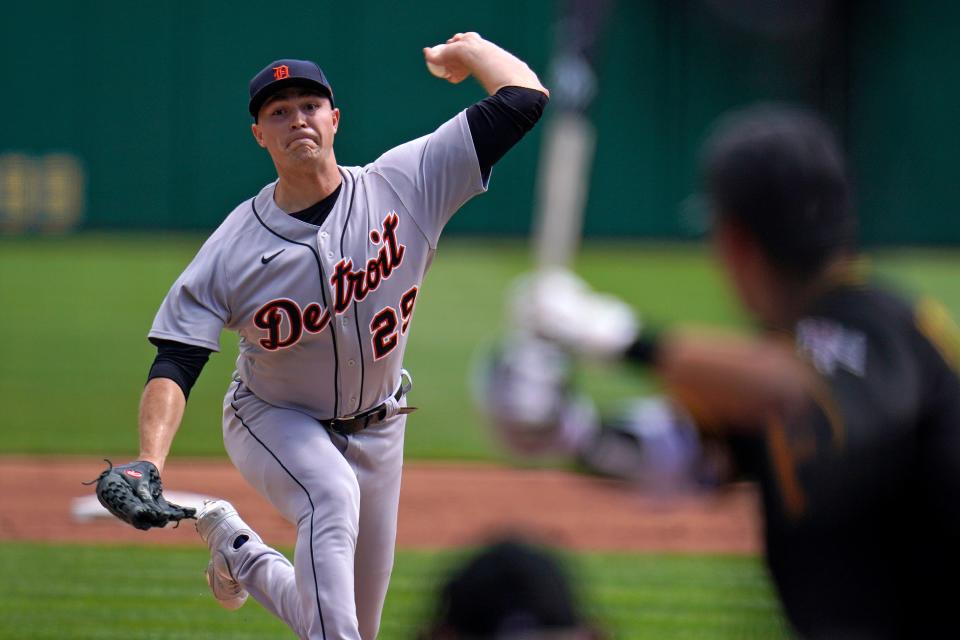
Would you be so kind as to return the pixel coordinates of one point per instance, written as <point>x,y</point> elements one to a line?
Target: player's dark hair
<point>779,172</point>
<point>510,587</point>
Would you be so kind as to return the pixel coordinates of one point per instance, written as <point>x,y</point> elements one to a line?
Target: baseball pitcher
<point>320,273</point>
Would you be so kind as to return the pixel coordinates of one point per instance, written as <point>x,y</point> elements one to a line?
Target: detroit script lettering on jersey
<point>348,284</point>
<point>355,285</point>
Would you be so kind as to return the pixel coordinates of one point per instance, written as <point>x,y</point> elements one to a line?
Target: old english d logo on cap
<point>286,72</point>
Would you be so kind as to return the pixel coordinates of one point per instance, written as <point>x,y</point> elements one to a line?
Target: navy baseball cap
<point>280,74</point>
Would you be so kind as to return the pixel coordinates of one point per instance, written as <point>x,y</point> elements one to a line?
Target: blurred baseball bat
<point>562,186</point>
<point>569,140</point>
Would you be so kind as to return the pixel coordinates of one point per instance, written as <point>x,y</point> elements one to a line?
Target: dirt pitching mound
<point>441,505</point>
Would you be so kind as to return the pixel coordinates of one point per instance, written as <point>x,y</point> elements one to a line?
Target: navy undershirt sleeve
<point>499,121</point>
<point>179,362</point>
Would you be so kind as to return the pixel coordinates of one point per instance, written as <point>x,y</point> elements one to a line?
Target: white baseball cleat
<point>221,528</point>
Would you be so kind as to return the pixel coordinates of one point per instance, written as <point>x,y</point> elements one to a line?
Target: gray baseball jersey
<point>323,315</point>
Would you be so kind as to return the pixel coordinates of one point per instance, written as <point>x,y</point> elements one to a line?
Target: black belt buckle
<point>349,426</point>
<point>359,422</point>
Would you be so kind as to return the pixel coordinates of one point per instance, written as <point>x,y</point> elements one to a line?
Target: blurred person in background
<point>844,404</point>
<point>510,589</point>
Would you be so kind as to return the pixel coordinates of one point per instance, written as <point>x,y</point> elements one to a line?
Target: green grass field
<point>76,312</point>
<point>74,358</point>
<point>135,592</point>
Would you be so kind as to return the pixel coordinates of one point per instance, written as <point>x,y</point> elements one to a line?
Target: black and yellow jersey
<point>861,491</point>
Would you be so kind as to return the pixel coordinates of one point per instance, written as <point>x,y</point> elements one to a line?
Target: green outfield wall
<point>127,115</point>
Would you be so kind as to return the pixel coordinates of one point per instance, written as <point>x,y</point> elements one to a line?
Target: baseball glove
<point>133,493</point>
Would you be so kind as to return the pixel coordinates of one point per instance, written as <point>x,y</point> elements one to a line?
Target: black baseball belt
<point>356,423</point>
